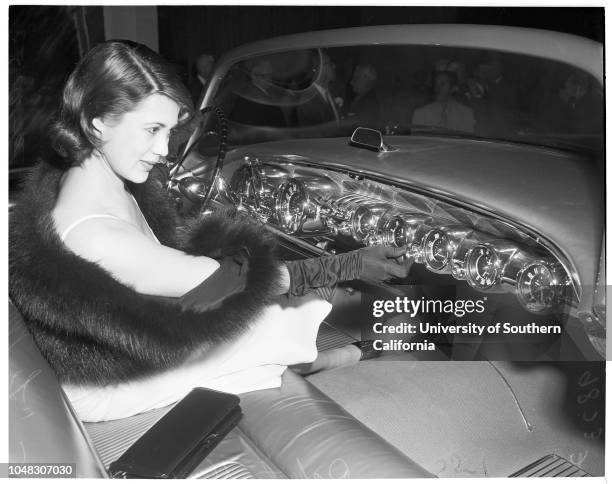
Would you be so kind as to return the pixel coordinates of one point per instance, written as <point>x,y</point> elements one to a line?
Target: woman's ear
<point>99,126</point>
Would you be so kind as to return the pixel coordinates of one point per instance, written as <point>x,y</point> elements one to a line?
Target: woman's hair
<point>111,80</point>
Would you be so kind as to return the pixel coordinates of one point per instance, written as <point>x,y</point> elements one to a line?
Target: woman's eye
<point>153,129</point>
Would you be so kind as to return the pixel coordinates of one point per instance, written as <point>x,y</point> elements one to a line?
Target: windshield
<point>412,90</point>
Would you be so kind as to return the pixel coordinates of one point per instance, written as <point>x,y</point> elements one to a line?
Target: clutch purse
<point>182,438</point>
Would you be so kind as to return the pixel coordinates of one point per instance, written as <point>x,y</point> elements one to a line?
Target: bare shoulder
<point>97,236</point>
<point>135,260</point>
<point>77,200</point>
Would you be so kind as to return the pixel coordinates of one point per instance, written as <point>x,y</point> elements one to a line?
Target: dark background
<point>45,42</point>
<point>185,32</point>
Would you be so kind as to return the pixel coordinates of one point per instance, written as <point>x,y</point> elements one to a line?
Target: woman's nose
<point>160,147</point>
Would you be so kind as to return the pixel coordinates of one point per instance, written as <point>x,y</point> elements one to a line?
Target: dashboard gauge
<point>365,221</point>
<point>436,251</point>
<point>539,285</point>
<point>292,205</point>
<point>394,231</point>
<point>482,267</point>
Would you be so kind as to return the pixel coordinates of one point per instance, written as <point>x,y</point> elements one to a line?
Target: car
<point>503,200</point>
<point>477,150</point>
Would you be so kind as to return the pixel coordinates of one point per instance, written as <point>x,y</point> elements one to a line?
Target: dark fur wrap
<point>93,329</point>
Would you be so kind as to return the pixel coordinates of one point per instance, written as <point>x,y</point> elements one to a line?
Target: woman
<point>130,314</point>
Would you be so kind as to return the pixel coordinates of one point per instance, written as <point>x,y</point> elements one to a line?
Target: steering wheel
<point>195,187</point>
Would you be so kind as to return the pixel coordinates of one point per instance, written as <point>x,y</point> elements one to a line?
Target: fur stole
<point>94,330</point>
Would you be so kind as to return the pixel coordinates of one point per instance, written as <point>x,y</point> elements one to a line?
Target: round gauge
<point>291,205</point>
<point>365,221</point>
<point>538,286</point>
<point>482,267</point>
<point>436,250</point>
<point>394,231</point>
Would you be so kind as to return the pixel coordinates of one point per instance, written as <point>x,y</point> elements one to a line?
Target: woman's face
<point>136,142</point>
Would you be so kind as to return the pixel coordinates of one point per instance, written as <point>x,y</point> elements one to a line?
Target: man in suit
<point>445,111</point>
<point>494,100</point>
<point>364,108</point>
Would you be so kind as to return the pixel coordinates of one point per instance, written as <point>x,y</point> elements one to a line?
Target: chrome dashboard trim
<point>437,195</point>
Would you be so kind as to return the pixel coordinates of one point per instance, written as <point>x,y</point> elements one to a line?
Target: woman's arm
<point>374,264</point>
<point>151,268</point>
<point>137,261</point>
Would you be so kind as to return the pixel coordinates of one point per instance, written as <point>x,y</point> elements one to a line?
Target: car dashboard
<point>339,210</point>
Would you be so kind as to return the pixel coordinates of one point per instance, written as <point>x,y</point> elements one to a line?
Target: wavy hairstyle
<point>107,83</point>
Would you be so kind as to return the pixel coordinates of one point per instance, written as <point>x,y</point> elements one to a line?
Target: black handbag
<point>182,438</point>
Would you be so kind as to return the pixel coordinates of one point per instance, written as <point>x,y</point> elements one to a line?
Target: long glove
<point>370,263</point>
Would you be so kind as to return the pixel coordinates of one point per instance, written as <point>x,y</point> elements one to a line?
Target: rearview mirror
<point>370,139</point>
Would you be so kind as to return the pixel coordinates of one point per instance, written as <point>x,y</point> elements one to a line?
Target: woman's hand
<point>381,263</point>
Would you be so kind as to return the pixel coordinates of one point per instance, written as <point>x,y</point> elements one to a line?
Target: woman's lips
<point>150,164</point>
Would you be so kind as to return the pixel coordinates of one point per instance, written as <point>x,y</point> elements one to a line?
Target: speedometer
<point>483,266</point>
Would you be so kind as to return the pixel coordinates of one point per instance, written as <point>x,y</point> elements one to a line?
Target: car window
<point>412,89</point>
